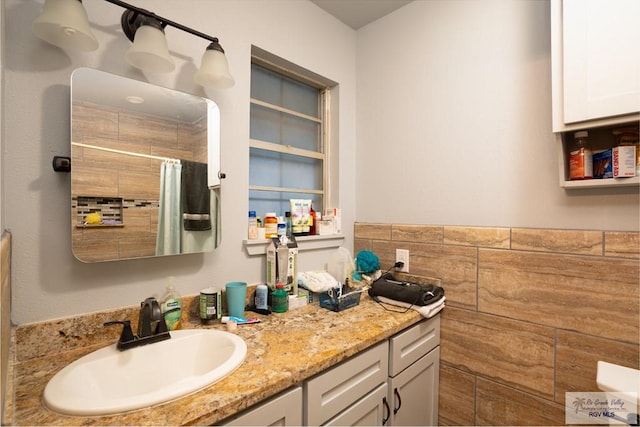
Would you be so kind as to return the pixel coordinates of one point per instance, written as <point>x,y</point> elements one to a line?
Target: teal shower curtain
<point>169,238</point>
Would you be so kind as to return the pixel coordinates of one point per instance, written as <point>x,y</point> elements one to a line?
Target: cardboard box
<point>325,226</point>
<point>624,161</point>
<point>603,164</point>
<point>282,264</point>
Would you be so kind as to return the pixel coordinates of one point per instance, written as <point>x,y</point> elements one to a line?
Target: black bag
<point>411,293</point>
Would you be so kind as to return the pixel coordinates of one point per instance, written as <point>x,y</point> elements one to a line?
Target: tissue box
<point>326,226</point>
<point>624,161</point>
<point>602,164</point>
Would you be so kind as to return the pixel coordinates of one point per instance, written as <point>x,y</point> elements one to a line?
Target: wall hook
<point>61,164</point>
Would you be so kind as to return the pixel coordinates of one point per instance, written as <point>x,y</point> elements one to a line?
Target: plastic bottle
<point>279,299</point>
<point>312,221</point>
<point>288,224</point>
<point>171,301</point>
<point>261,235</point>
<point>253,225</point>
<point>581,157</point>
<point>261,297</point>
<point>282,227</point>
<point>270,225</point>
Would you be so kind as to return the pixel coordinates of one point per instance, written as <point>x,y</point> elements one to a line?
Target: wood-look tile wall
<point>529,313</point>
<point>105,174</point>
<point>5,317</point>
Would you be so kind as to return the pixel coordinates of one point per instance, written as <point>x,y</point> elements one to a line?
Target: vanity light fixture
<point>64,23</point>
<point>214,69</point>
<point>149,51</point>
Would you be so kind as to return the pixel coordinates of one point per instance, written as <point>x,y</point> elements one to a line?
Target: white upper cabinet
<point>595,61</point>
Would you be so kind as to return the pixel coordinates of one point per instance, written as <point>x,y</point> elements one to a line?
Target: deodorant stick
<point>261,297</point>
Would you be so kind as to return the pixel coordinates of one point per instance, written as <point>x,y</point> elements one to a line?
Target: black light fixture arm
<point>163,21</point>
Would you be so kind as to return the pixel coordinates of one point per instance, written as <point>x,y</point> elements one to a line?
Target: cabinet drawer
<point>338,388</point>
<point>410,345</point>
<point>283,410</point>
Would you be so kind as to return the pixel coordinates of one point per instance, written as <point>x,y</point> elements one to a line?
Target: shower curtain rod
<point>128,153</point>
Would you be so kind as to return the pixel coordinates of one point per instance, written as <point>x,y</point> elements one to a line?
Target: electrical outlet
<point>402,255</point>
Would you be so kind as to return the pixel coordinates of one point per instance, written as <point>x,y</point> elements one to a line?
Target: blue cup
<point>236,298</point>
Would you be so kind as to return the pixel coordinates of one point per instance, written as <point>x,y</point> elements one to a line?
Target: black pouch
<point>411,293</point>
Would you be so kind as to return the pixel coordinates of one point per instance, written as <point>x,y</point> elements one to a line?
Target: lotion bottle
<point>172,307</point>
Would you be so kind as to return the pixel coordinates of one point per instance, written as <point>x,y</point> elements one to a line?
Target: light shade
<point>214,69</point>
<point>64,23</point>
<point>150,51</point>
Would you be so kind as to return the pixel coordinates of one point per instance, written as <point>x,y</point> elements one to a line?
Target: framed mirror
<point>144,169</point>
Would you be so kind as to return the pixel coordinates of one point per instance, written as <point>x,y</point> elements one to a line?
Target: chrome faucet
<point>151,326</point>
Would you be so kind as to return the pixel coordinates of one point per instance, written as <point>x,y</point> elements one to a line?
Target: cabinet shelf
<point>600,138</point>
<point>602,183</point>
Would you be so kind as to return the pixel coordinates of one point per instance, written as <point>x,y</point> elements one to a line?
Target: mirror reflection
<point>144,175</point>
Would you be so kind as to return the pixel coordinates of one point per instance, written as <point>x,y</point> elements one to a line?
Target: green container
<point>279,299</point>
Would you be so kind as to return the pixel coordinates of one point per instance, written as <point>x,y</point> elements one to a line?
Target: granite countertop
<point>283,350</point>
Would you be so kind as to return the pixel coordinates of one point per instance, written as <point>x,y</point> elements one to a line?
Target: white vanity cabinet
<point>408,367</point>
<point>414,363</point>
<point>342,394</point>
<point>285,409</point>
<point>394,382</point>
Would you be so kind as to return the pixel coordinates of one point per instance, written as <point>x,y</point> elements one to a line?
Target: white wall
<point>460,91</point>
<point>2,226</point>
<point>48,282</point>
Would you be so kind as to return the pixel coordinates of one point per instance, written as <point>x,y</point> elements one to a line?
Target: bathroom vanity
<point>301,353</point>
<point>393,383</point>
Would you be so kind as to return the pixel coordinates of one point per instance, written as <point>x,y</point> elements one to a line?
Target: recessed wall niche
<point>109,209</point>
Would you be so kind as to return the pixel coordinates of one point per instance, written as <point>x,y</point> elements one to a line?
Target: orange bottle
<point>270,225</point>
<point>312,220</point>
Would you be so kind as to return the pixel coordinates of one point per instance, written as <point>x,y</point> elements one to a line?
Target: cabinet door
<point>413,394</point>
<point>283,410</point>
<point>601,65</point>
<point>368,411</point>
<point>336,389</point>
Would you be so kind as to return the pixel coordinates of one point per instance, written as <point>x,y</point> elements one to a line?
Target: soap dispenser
<point>172,307</point>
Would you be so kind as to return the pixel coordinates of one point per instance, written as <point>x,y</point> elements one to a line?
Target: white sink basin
<point>109,381</point>
<point>619,379</point>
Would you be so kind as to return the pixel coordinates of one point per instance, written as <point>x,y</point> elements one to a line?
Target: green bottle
<point>279,299</point>
<point>172,303</point>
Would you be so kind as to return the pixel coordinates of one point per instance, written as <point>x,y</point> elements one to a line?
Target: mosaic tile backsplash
<point>111,209</point>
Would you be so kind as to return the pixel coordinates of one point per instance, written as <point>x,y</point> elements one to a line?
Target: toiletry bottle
<point>279,299</point>
<point>282,227</point>
<point>171,301</point>
<point>270,225</point>
<point>288,224</point>
<point>253,225</point>
<point>580,157</point>
<point>261,297</point>
<point>312,221</point>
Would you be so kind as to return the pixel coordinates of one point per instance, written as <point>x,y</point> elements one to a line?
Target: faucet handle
<point>127,333</point>
<point>149,312</point>
<point>156,311</point>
